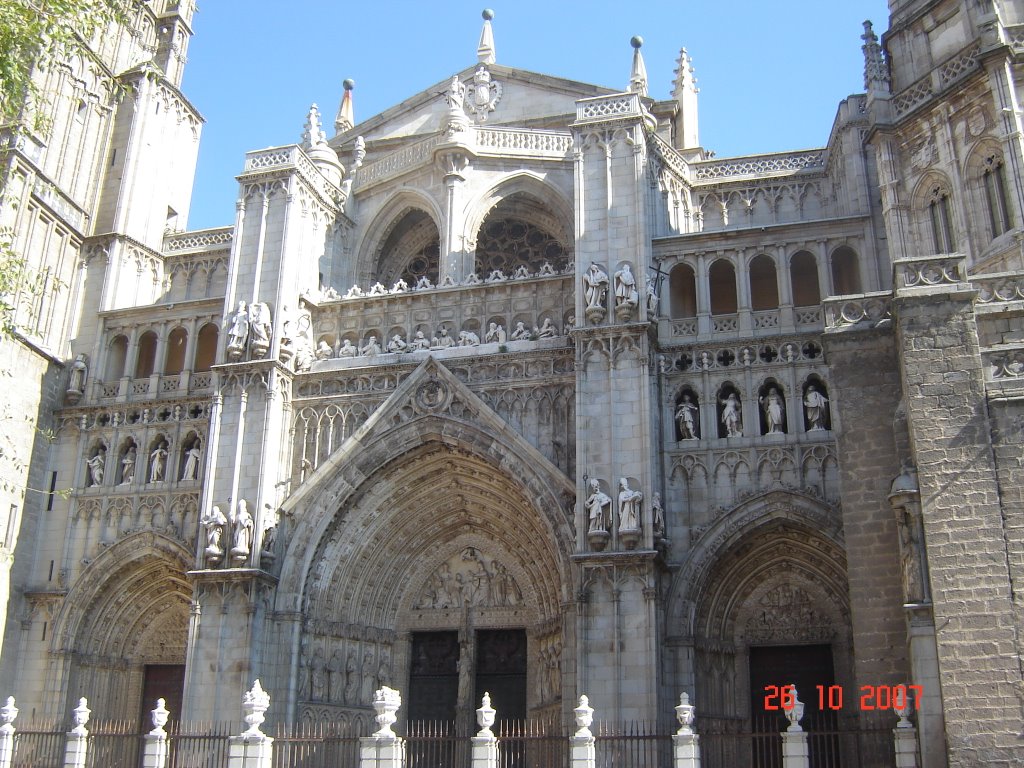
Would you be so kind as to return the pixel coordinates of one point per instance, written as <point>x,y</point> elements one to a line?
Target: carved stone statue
<point>367,674</point>
<point>597,504</point>
<point>347,350</point>
<point>260,328</point>
<point>192,457</point>
<point>76,380</point>
<point>652,297</point>
<point>128,465</point>
<point>774,412</point>
<point>495,333</point>
<point>418,342</point>
<point>371,348</point>
<point>521,332</point>
<point>547,330</point>
<point>96,466</point>
<point>688,419</point>
<point>397,344</point>
<point>468,339</point>
<point>456,94</point>
<point>815,409</point>
<point>351,692</point>
<point>626,295</point>
<point>215,523</point>
<point>658,512</point>
<point>629,507</point>
<point>238,333</point>
<point>158,463</point>
<point>241,545</point>
<point>324,351</point>
<point>442,340</point>
<point>732,416</point>
<point>595,289</point>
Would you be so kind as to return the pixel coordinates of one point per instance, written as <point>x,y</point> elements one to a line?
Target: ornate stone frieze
<point>867,310</point>
<point>930,272</point>
<point>786,351</point>
<point>470,579</point>
<point>787,613</point>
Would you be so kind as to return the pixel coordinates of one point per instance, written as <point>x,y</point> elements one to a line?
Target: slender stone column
<point>8,712</point>
<point>253,748</point>
<point>583,754</point>
<point>77,746</point>
<point>154,753</point>
<point>686,743</point>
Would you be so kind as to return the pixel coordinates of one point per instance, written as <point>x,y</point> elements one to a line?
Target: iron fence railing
<point>199,744</point>
<point>317,745</point>
<point>38,744</point>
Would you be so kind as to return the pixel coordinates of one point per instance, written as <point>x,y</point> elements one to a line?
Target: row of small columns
<point>385,749</point>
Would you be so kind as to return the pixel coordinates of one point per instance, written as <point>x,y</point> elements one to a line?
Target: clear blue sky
<point>771,74</point>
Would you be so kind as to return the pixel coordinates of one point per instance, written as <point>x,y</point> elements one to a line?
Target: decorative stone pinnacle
<point>386,702</point>
<point>584,714</point>
<point>685,714</point>
<point>81,717</point>
<point>8,713</point>
<point>485,716</point>
<point>876,73</point>
<point>313,134</point>
<point>485,50</point>
<point>904,713</point>
<point>638,74</point>
<point>346,114</point>
<point>160,715</point>
<point>255,703</point>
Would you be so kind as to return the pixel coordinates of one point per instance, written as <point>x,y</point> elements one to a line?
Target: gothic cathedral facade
<point>515,387</point>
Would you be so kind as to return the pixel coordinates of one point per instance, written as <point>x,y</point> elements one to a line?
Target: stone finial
<point>386,702</point>
<point>638,75</point>
<point>485,51</point>
<point>8,712</point>
<point>685,714</point>
<point>346,115</point>
<point>876,73</point>
<point>255,703</point>
<point>795,713</point>
<point>904,714</point>
<point>485,716</point>
<point>80,716</point>
<point>584,714</point>
<point>159,715</point>
<point>685,81</point>
<point>312,134</point>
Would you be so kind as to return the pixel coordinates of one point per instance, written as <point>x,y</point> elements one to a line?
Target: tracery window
<point>509,243</point>
<point>941,220</point>
<point>994,183</point>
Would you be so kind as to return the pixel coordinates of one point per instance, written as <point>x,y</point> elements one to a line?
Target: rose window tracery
<point>509,243</point>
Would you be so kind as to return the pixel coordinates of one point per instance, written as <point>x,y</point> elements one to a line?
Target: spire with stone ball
<point>485,50</point>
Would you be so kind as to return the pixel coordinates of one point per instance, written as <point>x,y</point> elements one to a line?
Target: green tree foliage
<point>37,32</point>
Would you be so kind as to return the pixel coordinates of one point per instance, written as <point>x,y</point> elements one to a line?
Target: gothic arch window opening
<point>206,348</point>
<point>803,277</point>
<point>117,357</point>
<point>174,359</point>
<point>682,292</point>
<point>940,219</point>
<point>845,272</point>
<point>145,361</point>
<point>508,243</point>
<point>994,184</point>
<point>410,251</point>
<point>764,284</point>
<point>722,279</point>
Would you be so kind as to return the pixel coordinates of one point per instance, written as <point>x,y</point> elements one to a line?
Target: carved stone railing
<point>930,271</point>
<point>292,156</point>
<point>725,323</point>
<point>667,154</point>
<point>998,288</point>
<point>716,357</point>
<point>685,327</point>
<point>948,73</point>
<point>765,319</point>
<point>601,108</point>
<point>64,206</point>
<point>807,316</point>
<point>274,157</point>
<point>1004,362</point>
<point>1015,37</point>
<point>777,164</point>
<point>398,162</point>
<point>862,309</point>
<point>507,141</point>
<point>200,239</point>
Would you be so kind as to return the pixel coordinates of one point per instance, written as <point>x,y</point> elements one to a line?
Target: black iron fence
<point>317,745</point>
<point>38,744</point>
<point>199,745</point>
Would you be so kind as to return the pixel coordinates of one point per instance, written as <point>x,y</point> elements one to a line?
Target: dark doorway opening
<point>501,671</point>
<point>434,676</point>
<point>807,667</point>
<point>162,681</point>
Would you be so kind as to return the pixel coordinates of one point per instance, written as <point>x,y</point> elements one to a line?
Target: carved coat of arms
<point>484,94</point>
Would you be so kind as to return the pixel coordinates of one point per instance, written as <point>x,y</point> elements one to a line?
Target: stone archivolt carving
<point>470,579</point>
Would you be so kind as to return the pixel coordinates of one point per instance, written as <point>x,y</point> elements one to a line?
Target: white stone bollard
<point>154,754</point>
<point>583,754</point>
<point>253,748</point>
<point>485,743</point>
<point>686,743</point>
<point>905,735</point>
<point>77,746</point>
<point>384,749</point>
<point>8,712</point>
<point>795,751</point>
